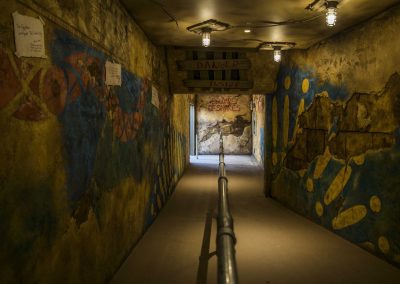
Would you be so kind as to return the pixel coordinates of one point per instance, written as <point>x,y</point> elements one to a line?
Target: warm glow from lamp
<point>331,13</point>
<point>206,38</point>
<point>277,54</point>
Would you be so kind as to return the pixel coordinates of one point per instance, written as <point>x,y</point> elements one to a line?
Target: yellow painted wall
<point>84,168</point>
<point>336,133</point>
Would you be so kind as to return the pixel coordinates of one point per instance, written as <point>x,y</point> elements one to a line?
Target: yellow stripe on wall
<point>337,185</point>
<point>286,122</point>
<point>349,217</point>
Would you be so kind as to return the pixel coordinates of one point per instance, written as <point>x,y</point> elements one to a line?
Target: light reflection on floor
<point>274,244</point>
<point>243,160</point>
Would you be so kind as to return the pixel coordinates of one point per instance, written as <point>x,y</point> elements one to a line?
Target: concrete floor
<point>275,245</point>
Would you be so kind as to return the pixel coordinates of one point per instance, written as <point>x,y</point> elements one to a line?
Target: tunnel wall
<point>335,117</point>
<point>258,126</point>
<point>84,168</point>
<point>226,114</point>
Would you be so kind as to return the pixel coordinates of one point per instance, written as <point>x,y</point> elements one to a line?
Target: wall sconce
<point>206,37</point>
<point>277,48</point>
<point>331,12</point>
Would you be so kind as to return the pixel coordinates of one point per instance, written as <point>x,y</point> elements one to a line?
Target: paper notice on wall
<point>113,74</point>
<point>154,97</point>
<point>29,36</point>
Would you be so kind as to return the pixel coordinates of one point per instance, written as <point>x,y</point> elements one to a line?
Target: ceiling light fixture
<point>277,47</point>
<point>206,37</point>
<point>205,29</point>
<point>247,31</point>
<point>277,54</point>
<point>331,12</point>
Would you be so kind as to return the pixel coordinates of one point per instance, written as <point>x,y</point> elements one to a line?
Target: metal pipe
<point>226,261</point>
<point>222,172</point>
<point>226,240</point>
<point>221,144</point>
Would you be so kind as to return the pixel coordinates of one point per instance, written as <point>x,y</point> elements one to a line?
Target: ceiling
<point>165,21</point>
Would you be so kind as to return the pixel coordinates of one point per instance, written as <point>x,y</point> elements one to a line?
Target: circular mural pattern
<point>319,209</point>
<point>310,185</point>
<point>287,82</point>
<point>375,204</point>
<point>55,89</point>
<point>305,86</point>
<point>383,244</point>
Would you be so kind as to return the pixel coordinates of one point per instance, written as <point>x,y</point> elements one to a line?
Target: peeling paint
<point>342,166</point>
<point>228,115</point>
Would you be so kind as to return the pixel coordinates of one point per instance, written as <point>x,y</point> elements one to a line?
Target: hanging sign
<point>223,84</point>
<point>216,64</point>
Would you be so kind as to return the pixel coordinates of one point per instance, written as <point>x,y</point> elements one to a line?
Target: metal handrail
<point>226,240</point>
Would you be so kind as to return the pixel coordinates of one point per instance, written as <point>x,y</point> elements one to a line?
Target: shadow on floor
<point>205,254</point>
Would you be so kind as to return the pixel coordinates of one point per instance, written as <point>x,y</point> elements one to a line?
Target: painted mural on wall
<point>335,157</point>
<point>228,115</point>
<point>85,167</point>
<point>93,18</point>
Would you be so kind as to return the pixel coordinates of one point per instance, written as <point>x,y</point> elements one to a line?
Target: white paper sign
<point>113,74</point>
<point>154,97</point>
<point>29,36</point>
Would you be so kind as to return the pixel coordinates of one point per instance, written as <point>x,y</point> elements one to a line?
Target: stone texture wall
<point>335,137</point>
<point>180,118</point>
<point>226,114</point>
<point>84,168</point>
<point>259,127</point>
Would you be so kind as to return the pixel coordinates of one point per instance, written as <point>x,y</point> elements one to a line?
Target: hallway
<point>274,245</point>
<point>104,105</point>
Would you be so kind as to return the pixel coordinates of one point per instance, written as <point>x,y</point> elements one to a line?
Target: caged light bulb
<point>331,13</point>
<point>277,55</point>
<point>206,38</point>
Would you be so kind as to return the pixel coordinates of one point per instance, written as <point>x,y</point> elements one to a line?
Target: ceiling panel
<point>165,21</point>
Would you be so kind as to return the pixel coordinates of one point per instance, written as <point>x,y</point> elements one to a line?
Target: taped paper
<point>113,74</point>
<point>29,36</point>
